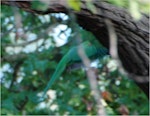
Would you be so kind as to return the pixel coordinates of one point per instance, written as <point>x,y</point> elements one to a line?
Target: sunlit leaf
<point>134,9</point>
<point>74,4</point>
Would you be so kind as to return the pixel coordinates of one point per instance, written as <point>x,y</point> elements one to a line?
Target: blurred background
<point>32,46</point>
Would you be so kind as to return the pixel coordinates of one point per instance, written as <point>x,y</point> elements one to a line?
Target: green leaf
<point>134,9</point>
<point>74,4</point>
<point>38,5</point>
<point>9,105</point>
<point>121,3</point>
<point>91,7</point>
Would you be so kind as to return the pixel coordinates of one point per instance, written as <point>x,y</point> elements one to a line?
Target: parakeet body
<point>91,51</point>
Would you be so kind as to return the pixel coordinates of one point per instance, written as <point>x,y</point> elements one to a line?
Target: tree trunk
<point>133,36</point>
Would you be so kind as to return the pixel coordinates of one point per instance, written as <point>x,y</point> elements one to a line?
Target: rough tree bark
<point>133,36</point>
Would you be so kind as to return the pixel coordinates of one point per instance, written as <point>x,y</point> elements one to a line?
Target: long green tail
<point>60,68</point>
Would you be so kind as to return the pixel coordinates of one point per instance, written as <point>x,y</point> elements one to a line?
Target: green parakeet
<point>91,51</point>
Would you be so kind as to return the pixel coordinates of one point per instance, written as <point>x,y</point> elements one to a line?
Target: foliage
<point>74,4</point>
<point>135,7</point>
<point>26,69</point>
